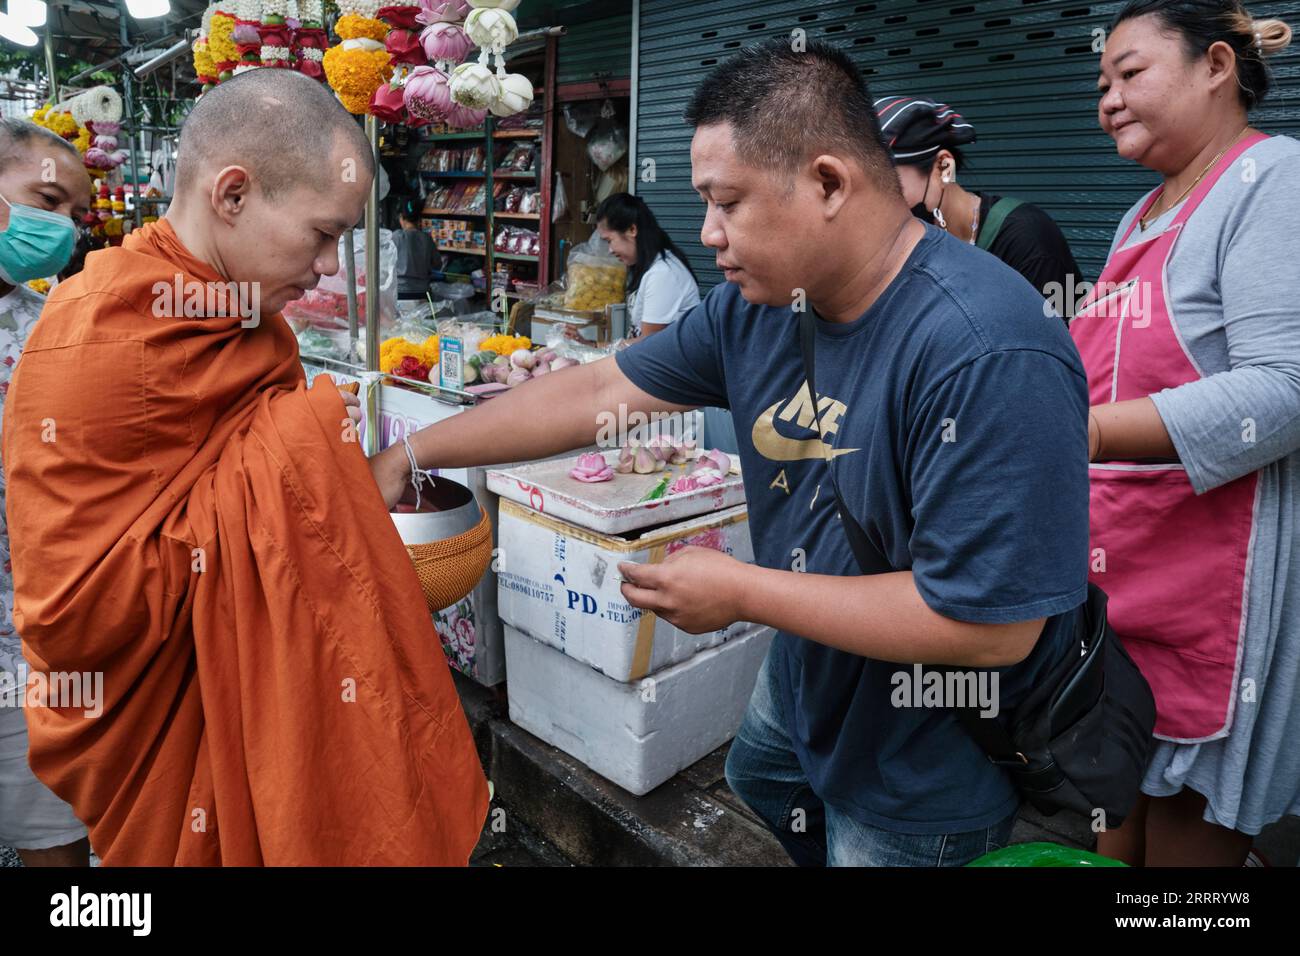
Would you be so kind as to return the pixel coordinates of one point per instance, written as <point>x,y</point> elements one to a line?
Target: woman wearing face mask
<point>926,140</point>
<point>1191,343</point>
<point>36,240</point>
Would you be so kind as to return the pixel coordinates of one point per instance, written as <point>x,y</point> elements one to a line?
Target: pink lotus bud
<point>646,463</point>
<point>684,483</point>
<point>706,477</point>
<point>426,94</point>
<point>592,467</point>
<point>463,117</point>
<point>435,11</point>
<point>445,41</point>
<point>626,459</point>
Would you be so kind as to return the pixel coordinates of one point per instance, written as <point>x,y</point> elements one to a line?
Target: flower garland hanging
<point>360,64</point>
<point>247,35</point>
<point>474,85</point>
<point>275,34</point>
<point>221,43</point>
<point>404,51</point>
<point>427,94</point>
<point>205,68</point>
<point>309,39</point>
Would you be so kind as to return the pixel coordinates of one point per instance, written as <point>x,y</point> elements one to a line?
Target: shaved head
<point>285,128</point>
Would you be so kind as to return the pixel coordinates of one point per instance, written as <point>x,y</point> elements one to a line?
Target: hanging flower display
<point>204,69</point>
<point>356,67</point>
<point>445,41</point>
<point>276,35</point>
<point>221,43</point>
<point>309,39</point>
<point>474,85</point>
<point>248,40</point>
<point>450,11</point>
<point>427,97</point>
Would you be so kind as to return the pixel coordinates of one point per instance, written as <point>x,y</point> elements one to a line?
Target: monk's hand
<point>696,589</point>
<point>352,404</point>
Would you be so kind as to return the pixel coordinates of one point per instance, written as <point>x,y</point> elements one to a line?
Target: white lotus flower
<point>516,95</point>
<point>475,86</point>
<point>491,28</point>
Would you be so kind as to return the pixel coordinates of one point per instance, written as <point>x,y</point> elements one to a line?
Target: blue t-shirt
<point>958,417</point>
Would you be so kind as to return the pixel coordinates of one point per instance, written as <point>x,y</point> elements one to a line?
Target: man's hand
<point>392,473</point>
<point>695,589</point>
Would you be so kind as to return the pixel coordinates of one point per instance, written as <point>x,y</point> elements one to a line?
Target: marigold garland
<point>354,27</point>
<point>354,75</point>
<point>205,68</point>
<point>221,43</point>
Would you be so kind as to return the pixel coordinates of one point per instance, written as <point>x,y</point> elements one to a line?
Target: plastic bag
<point>581,117</point>
<point>607,144</point>
<point>325,307</point>
<point>560,202</point>
<point>594,278</point>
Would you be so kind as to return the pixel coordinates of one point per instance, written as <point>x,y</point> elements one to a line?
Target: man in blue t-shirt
<point>954,419</point>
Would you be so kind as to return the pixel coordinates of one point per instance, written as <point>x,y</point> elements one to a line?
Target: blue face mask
<point>36,244</point>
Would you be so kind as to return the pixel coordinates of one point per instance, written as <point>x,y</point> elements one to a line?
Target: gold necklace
<point>1152,216</point>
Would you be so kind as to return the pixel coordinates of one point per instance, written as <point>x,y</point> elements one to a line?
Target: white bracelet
<point>418,474</point>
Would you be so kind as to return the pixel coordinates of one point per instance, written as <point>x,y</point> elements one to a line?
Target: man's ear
<point>230,191</point>
<point>835,182</point>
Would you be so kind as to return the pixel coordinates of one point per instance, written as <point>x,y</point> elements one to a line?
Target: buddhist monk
<point>195,526</point>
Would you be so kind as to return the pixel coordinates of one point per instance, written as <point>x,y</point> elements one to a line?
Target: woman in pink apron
<point>1191,341</point>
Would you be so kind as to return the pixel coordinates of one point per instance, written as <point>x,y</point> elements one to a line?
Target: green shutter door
<point>1022,71</point>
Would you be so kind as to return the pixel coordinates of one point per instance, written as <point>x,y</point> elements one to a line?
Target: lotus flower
<point>706,477</point>
<point>518,377</point>
<point>442,11</point>
<point>522,358</point>
<point>592,467</point>
<point>462,117</point>
<point>716,460</point>
<point>626,459</point>
<point>516,95</point>
<point>246,34</point>
<point>475,86</point>
<point>445,41</point>
<point>491,27</point>
<point>426,94</point>
<point>506,5</point>
<point>562,362</point>
<point>684,483</point>
<point>645,463</point>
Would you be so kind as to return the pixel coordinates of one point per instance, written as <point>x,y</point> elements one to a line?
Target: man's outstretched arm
<point>546,416</point>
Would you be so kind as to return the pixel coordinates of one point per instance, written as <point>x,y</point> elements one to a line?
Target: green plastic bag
<point>1042,854</point>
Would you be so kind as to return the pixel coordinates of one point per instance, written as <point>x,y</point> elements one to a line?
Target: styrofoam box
<point>560,584</point>
<point>635,735</point>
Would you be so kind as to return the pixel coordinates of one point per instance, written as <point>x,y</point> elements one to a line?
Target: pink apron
<point>1174,563</point>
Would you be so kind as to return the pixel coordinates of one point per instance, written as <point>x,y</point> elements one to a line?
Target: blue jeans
<point>763,770</point>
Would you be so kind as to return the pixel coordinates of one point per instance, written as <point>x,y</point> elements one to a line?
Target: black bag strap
<point>991,736</point>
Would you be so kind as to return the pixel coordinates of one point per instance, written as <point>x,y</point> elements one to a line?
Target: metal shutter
<point>1022,71</point>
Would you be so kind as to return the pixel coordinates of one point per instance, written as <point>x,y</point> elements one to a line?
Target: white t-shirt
<point>667,290</point>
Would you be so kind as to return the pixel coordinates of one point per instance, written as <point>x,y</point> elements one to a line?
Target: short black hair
<point>18,135</point>
<point>786,106</point>
<point>622,211</point>
<point>1203,23</point>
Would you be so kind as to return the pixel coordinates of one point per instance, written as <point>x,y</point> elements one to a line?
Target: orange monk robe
<point>191,520</point>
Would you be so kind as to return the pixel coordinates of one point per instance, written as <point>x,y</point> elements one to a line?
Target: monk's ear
<point>230,191</point>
